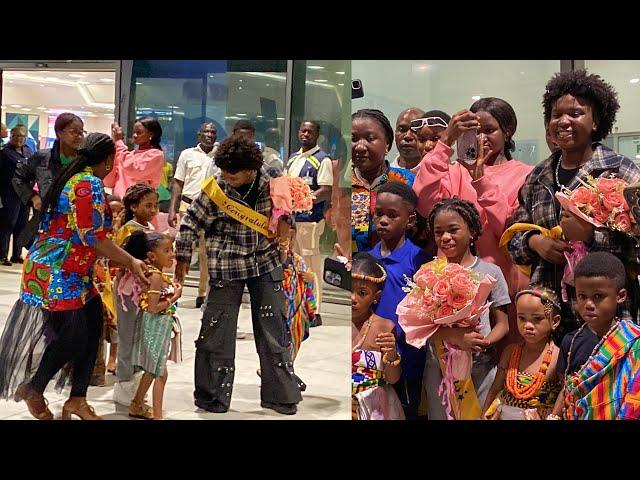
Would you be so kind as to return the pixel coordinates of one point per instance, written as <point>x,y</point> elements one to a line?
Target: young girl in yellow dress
<point>155,321</point>
<point>526,386</point>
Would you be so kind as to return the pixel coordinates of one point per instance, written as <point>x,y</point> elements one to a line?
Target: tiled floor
<point>322,363</point>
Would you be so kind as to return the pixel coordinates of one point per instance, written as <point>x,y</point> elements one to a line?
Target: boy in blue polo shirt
<point>394,214</point>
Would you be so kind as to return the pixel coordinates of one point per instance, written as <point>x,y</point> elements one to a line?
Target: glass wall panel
<point>451,85</point>
<point>624,76</point>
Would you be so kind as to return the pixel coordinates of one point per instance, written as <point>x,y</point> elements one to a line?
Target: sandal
<point>140,410</point>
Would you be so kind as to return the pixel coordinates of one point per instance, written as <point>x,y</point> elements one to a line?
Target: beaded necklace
<point>525,392</point>
<point>364,335</point>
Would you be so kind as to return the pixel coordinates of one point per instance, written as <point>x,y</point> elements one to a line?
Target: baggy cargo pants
<point>216,342</point>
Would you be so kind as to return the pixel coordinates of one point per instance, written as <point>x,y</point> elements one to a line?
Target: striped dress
<point>608,386</point>
<point>301,301</point>
<point>152,337</point>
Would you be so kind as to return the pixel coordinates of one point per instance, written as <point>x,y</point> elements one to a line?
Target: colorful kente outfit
<point>152,337</point>
<point>512,408</point>
<point>363,204</point>
<point>301,302</point>
<point>607,387</point>
<point>372,398</point>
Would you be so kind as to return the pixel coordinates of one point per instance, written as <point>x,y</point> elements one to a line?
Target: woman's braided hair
<point>379,117</point>
<point>465,209</point>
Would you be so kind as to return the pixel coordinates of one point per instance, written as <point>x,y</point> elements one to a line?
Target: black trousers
<point>409,392</point>
<point>76,335</point>
<point>216,342</point>
<point>13,218</point>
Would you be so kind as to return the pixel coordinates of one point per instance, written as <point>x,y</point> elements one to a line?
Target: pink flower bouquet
<point>599,202</point>
<point>444,294</point>
<point>288,195</point>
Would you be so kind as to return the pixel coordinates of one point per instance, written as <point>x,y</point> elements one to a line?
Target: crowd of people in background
<point>108,267</point>
<point>549,347</point>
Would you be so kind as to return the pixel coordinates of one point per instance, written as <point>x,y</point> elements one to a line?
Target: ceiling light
<point>138,83</point>
<point>422,67</point>
<point>475,98</point>
<point>315,67</point>
<point>25,109</point>
<point>279,118</point>
<point>240,80</point>
<point>239,88</point>
<point>241,114</point>
<point>340,73</point>
<point>341,84</point>
<point>41,108</point>
<point>76,75</point>
<point>634,80</point>
<point>211,76</point>
<point>259,116</point>
<point>322,80</point>
<point>42,85</point>
<point>267,84</point>
<point>10,81</point>
<point>16,106</point>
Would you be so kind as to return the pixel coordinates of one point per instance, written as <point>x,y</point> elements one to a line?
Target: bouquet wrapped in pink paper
<point>444,294</point>
<point>599,202</point>
<point>289,195</point>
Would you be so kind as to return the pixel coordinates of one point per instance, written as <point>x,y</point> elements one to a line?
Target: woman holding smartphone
<point>491,182</point>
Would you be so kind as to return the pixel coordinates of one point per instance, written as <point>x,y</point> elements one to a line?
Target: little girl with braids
<point>155,320</point>
<point>526,386</point>
<point>140,208</point>
<point>455,225</point>
<point>375,363</point>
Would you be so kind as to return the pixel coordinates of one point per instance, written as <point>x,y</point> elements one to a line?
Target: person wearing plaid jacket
<point>238,255</point>
<point>580,110</point>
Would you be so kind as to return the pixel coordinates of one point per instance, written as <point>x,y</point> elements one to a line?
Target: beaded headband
<point>547,302</point>
<point>367,278</point>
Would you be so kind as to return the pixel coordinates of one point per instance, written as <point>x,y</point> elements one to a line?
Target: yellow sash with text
<point>464,403</point>
<point>243,214</point>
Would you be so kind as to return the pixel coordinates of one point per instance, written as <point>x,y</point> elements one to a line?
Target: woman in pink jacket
<point>491,184</point>
<point>143,164</point>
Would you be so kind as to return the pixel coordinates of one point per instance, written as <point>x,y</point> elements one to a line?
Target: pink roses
<point>599,201</point>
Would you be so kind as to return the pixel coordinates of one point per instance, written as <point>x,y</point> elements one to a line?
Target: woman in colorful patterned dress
<point>155,320</point>
<point>371,139</point>
<point>58,317</point>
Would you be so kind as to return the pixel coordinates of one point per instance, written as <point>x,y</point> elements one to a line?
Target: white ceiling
<point>89,93</point>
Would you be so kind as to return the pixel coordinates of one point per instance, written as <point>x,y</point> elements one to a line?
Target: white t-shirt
<point>325,171</point>
<point>193,167</point>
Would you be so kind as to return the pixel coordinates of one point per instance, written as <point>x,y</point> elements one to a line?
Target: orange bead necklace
<point>525,392</point>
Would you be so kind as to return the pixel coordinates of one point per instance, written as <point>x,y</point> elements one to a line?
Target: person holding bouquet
<point>526,386</point>
<point>456,226</point>
<point>393,216</point>
<point>375,363</point>
<point>580,110</point>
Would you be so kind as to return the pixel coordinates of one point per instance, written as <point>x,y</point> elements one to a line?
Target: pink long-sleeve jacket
<point>135,166</point>
<point>495,195</point>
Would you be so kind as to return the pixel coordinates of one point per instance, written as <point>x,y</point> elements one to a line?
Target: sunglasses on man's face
<point>418,123</point>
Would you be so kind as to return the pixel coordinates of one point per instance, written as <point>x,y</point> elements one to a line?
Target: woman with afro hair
<point>580,110</point>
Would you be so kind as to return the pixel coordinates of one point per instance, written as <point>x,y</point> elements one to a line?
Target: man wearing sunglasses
<point>407,139</point>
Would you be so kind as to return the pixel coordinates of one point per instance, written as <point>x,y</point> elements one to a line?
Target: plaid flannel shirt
<point>234,251</point>
<point>538,206</point>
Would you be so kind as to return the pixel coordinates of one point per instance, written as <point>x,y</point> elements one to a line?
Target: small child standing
<point>456,225</point>
<point>526,385</point>
<point>375,363</point>
<point>601,359</point>
<point>394,214</point>
<point>155,320</point>
<point>140,208</point>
